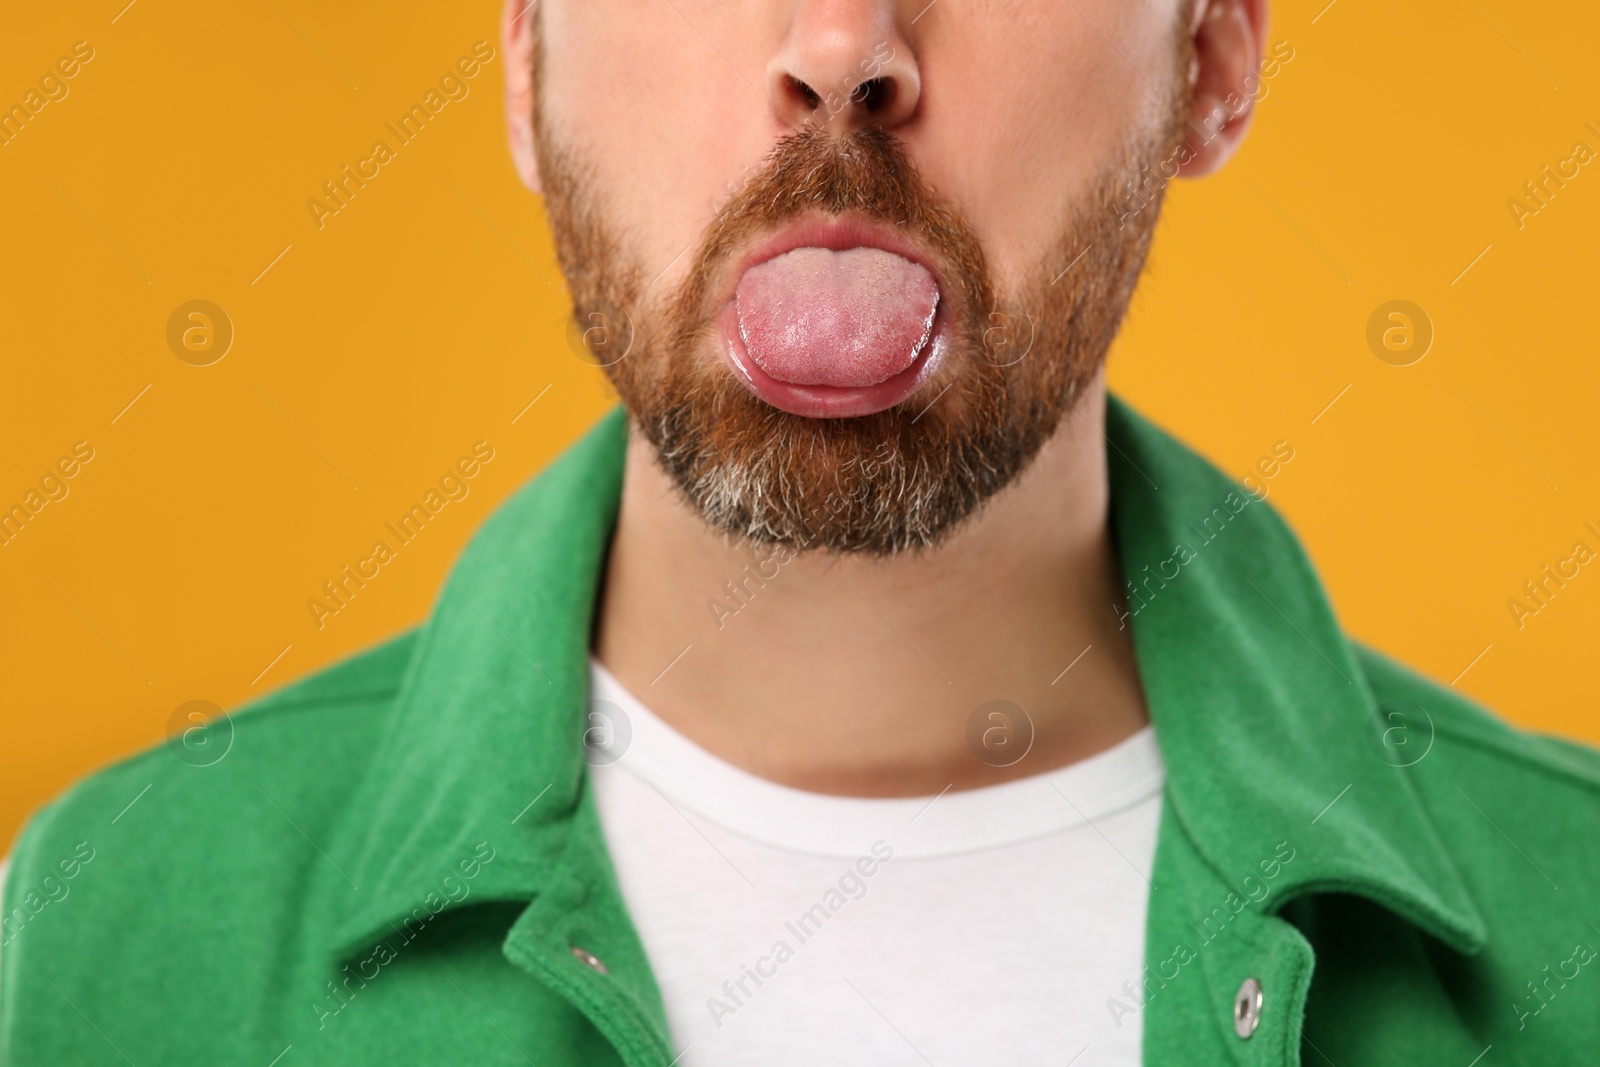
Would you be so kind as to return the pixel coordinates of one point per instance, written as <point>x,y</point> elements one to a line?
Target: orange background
<point>427,314</point>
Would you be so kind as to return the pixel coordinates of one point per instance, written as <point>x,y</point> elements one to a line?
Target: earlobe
<point>517,39</point>
<point>1224,75</point>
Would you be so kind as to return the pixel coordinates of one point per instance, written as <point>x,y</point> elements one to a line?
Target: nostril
<point>874,94</point>
<point>806,94</point>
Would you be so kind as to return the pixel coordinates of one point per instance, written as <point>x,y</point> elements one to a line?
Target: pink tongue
<point>853,318</point>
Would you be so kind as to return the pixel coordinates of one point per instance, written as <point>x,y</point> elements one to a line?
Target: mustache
<point>865,172</point>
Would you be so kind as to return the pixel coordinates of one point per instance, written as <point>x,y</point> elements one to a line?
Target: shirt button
<point>589,959</point>
<point>1247,1008</point>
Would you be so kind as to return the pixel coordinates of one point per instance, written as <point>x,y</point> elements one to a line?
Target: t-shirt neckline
<point>1076,796</point>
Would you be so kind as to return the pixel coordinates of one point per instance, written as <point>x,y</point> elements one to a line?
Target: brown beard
<point>898,480</point>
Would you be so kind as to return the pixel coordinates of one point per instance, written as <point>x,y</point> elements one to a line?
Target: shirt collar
<point>483,742</point>
<point>1263,714</point>
<point>1261,711</point>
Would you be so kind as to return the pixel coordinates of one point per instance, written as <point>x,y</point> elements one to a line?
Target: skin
<point>851,675</point>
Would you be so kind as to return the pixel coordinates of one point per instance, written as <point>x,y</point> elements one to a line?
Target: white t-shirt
<point>988,926</point>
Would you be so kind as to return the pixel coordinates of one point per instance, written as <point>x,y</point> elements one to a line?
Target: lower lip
<point>832,401</point>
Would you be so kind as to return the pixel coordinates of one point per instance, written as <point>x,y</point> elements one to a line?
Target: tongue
<point>853,318</point>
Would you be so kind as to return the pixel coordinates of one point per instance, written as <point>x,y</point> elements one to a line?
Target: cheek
<point>1022,115</point>
<point>664,120</point>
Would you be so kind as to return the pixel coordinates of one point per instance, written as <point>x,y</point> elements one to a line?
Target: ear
<point>516,39</point>
<point>1224,77</point>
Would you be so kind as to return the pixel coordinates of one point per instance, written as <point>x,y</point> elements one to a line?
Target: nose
<point>845,64</point>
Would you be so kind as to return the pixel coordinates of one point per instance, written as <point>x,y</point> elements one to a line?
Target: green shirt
<point>398,860</point>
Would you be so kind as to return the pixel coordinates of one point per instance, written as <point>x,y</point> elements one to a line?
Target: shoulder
<point>1516,810</point>
<point>166,866</point>
<point>316,728</point>
<point>1429,712</point>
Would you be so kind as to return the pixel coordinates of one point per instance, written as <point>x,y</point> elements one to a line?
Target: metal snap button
<point>589,959</point>
<point>1247,1008</point>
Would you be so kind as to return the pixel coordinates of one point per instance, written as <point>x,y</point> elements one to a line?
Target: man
<point>876,689</point>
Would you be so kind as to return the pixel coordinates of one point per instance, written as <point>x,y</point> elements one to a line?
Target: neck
<point>859,676</point>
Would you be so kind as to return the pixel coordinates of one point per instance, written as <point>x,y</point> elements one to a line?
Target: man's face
<point>849,262</point>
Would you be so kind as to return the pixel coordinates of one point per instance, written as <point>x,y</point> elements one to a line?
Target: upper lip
<point>838,233</point>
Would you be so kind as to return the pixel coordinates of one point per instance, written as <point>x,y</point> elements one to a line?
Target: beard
<point>898,480</point>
